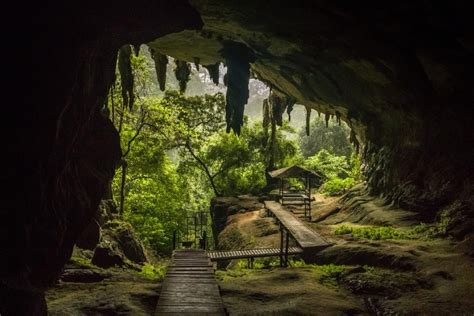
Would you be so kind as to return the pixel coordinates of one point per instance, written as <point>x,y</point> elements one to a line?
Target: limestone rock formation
<point>399,75</point>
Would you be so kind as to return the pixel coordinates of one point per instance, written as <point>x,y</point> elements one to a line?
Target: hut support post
<point>281,245</point>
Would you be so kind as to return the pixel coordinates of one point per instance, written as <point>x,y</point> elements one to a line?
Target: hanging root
<point>182,72</point>
<point>126,75</point>
<point>161,61</point>
<point>213,72</point>
<point>237,58</point>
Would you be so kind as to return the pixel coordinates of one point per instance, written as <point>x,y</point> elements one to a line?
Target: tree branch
<point>204,167</point>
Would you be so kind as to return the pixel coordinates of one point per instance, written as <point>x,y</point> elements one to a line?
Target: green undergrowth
<point>153,271</point>
<point>82,263</point>
<point>337,186</point>
<point>329,274</point>
<point>421,231</point>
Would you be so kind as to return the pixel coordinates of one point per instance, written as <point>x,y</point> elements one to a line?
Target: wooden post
<point>195,228</point>
<point>286,248</point>
<point>174,239</point>
<point>309,196</point>
<point>281,245</point>
<point>281,190</point>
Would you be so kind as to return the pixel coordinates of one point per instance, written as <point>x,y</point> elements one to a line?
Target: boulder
<point>118,245</point>
<point>90,236</point>
<point>107,257</point>
<point>83,275</point>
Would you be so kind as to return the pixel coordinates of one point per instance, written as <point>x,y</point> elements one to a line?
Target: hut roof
<point>294,172</point>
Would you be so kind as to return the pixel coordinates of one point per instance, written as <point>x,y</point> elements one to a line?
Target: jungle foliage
<point>177,155</point>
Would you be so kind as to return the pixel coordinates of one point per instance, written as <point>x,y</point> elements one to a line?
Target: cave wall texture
<point>398,72</point>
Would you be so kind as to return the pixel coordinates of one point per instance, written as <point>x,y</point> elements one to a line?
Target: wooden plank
<point>251,253</point>
<point>190,286</point>
<point>304,236</point>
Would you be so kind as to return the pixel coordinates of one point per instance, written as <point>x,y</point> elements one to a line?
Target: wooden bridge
<point>190,287</point>
<point>250,254</point>
<point>306,238</point>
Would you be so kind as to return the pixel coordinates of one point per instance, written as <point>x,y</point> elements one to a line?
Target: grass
<point>83,263</point>
<point>337,186</point>
<point>329,274</point>
<point>153,271</point>
<point>421,231</point>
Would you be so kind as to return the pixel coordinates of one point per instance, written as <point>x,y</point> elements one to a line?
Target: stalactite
<point>266,120</point>
<point>289,109</point>
<point>213,72</point>
<point>182,72</point>
<point>326,118</point>
<point>225,79</point>
<point>338,117</point>
<point>136,49</point>
<point>126,75</point>
<point>197,62</point>
<point>161,62</point>
<point>278,106</point>
<point>319,113</point>
<point>353,140</point>
<point>237,57</point>
<point>308,119</point>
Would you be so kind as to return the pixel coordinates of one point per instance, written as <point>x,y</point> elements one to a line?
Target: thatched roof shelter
<point>294,172</point>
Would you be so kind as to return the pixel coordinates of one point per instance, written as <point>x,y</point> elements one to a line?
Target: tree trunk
<point>122,186</point>
<point>204,167</point>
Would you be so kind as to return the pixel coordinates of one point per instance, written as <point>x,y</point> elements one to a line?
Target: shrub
<point>337,186</point>
<point>421,231</point>
<point>153,272</point>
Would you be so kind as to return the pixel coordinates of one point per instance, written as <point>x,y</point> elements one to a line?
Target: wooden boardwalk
<point>190,287</point>
<point>251,253</point>
<point>304,236</point>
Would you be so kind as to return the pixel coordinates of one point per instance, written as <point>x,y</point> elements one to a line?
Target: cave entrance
<point>177,154</point>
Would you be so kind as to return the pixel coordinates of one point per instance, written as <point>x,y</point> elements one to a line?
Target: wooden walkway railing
<point>190,287</point>
<point>250,253</point>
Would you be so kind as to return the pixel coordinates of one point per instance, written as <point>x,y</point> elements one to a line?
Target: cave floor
<point>433,276</point>
<point>355,276</point>
<point>122,292</point>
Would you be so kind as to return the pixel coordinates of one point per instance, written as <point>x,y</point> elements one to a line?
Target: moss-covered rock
<point>118,246</point>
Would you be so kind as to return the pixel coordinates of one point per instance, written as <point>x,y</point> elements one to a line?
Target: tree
<point>333,138</point>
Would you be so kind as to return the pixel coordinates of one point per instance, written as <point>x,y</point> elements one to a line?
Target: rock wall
<point>399,75</point>
<point>66,151</point>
